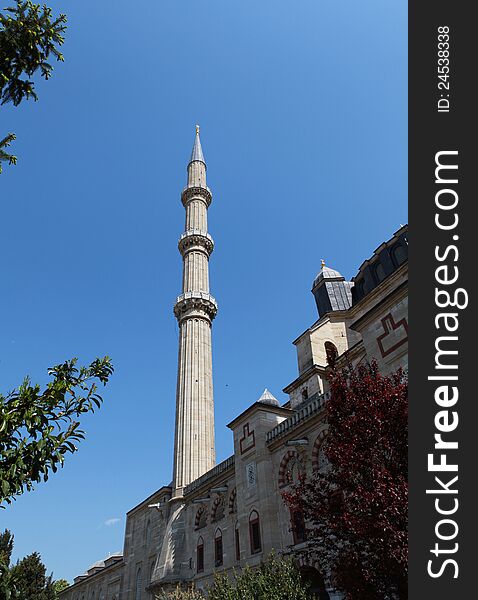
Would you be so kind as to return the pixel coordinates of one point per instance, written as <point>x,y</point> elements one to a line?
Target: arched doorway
<point>317,584</point>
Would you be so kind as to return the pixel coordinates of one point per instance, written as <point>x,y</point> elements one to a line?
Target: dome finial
<point>322,263</point>
<point>268,398</point>
<point>197,129</point>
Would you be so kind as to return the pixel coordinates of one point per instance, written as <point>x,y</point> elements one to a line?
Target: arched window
<point>237,541</point>
<point>139,585</point>
<point>399,254</point>
<point>290,468</point>
<point>298,526</point>
<point>305,394</point>
<point>218,552</point>
<point>319,460</point>
<point>200,555</point>
<point>379,272</point>
<point>255,532</point>
<point>331,352</point>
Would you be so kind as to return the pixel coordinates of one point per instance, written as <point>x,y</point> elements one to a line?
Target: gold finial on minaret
<point>322,263</point>
<point>197,128</point>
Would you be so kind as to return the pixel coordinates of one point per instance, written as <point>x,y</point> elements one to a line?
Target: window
<point>237,540</point>
<point>139,585</point>
<point>218,548</point>
<point>379,272</point>
<point>305,394</point>
<point>200,555</point>
<point>290,468</point>
<point>255,533</point>
<point>399,254</point>
<point>298,526</point>
<point>331,352</point>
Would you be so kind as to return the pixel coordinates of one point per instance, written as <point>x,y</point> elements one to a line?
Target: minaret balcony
<point>190,192</point>
<point>195,305</point>
<point>195,239</point>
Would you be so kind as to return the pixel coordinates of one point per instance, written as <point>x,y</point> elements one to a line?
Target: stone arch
<point>200,555</point>
<point>316,450</point>
<point>218,548</point>
<point>316,581</point>
<point>201,517</point>
<point>331,353</point>
<point>138,585</point>
<point>255,537</point>
<point>233,501</point>
<point>289,460</point>
<point>218,508</point>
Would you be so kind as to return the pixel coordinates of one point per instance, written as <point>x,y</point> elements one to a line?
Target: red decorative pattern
<point>389,326</point>
<point>217,510</point>
<point>248,441</point>
<point>284,476</point>
<point>232,501</point>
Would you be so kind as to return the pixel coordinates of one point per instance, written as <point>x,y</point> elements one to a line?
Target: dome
<point>326,273</point>
<point>268,398</point>
<point>97,565</point>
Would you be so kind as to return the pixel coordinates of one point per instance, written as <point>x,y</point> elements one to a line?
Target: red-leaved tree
<point>356,508</point>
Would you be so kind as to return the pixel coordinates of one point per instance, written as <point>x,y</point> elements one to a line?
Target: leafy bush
<point>275,579</point>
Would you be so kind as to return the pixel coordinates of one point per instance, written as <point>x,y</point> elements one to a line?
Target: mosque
<point>215,517</point>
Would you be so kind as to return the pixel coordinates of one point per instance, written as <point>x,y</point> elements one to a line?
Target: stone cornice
<point>261,406</point>
<point>388,299</point>
<point>303,414</point>
<point>195,305</point>
<point>304,376</point>
<point>206,479</point>
<point>201,193</point>
<point>195,239</point>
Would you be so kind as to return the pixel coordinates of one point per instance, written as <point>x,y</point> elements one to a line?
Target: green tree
<point>277,578</point>
<point>31,580</point>
<point>39,427</point>
<point>181,594</point>
<point>6,548</point>
<point>4,155</point>
<point>59,585</point>
<point>29,37</point>
<point>27,579</point>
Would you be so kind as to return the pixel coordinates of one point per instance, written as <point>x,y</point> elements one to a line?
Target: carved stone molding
<point>195,305</point>
<point>195,239</point>
<point>196,192</point>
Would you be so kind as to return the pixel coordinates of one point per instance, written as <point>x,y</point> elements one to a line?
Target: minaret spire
<point>197,153</point>
<point>195,309</point>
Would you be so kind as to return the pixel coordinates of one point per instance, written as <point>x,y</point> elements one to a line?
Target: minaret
<point>195,308</point>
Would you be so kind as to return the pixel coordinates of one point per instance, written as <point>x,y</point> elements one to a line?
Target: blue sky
<point>303,114</point>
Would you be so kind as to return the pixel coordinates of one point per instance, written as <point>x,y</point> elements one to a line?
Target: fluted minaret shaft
<point>194,451</point>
